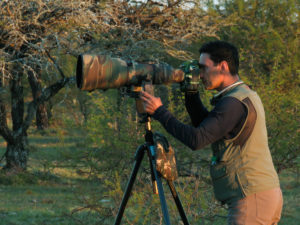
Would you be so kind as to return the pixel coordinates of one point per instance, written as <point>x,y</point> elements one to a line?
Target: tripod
<point>149,147</point>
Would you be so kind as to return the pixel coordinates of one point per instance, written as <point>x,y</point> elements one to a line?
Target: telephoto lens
<point>104,72</point>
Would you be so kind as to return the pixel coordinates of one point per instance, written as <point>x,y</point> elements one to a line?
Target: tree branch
<point>55,64</point>
<point>47,93</point>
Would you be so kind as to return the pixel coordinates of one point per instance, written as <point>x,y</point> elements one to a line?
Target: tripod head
<point>134,92</point>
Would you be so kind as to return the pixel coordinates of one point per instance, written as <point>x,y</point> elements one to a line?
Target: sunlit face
<point>210,74</point>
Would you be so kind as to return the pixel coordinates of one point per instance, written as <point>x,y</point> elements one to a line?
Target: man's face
<point>210,74</point>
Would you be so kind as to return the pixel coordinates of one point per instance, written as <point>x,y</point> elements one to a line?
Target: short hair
<point>222,51</point>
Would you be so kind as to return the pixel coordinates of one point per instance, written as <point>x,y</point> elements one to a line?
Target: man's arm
<point>225,120</point>
<point>195,108</point>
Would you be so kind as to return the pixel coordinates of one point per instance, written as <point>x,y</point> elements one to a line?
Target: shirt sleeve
<point>195,108</point>
<point>224,121</point>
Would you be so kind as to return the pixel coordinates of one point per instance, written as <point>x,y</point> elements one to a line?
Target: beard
<point>211,79</point>
<point>207,84</point>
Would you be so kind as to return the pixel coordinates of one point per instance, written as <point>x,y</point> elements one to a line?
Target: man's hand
<point>151,103</point>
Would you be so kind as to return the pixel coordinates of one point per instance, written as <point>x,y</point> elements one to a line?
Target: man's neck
<point>228,80</point>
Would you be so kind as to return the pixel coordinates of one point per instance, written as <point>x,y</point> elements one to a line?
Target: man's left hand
<point>151,103</point>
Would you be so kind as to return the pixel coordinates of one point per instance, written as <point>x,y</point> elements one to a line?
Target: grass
<point>48,192</point>
<point>291,196</point>
<point>35,204</point>
<point>52,191</point>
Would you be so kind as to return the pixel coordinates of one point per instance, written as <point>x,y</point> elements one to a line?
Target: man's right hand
<point>151,103</point>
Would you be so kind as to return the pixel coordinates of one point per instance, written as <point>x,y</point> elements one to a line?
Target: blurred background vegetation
<point>67,155</point>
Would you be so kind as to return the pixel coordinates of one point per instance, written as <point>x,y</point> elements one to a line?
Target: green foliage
<point>111,134</point>
<point>283,126</point>
<point>95,167</point>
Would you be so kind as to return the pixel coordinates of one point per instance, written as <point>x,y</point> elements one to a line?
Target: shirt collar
<point>222,92</point>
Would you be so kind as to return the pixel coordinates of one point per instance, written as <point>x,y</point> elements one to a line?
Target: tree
<point>30,33</point>
<point>150,30</point>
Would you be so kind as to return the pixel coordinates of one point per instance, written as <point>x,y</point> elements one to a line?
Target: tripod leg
<point>162,198</point>
<point>138,159</point>
<point>158,182</point>
<point>154,182</point>
<point>178,203</point>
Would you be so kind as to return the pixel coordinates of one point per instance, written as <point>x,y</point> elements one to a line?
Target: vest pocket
<point>226,184</point>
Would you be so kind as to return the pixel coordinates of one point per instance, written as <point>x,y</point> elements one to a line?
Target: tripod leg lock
<point>152,151</point>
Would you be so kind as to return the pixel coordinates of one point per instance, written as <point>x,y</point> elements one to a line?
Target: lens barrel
<point>104,72</point>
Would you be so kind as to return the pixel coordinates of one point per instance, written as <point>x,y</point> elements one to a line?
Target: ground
<point>53,190</point>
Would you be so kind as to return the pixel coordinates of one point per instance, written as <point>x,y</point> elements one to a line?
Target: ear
<point>224,66</point>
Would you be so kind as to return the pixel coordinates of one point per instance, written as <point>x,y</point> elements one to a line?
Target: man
<point>242,170</point>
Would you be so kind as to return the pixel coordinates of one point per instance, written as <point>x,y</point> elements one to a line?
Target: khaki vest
<point>243,165</point>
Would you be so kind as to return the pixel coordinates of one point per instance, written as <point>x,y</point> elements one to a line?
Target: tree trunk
<point>17,154</point>
<point>17,101</point>
<point>42,121</point>
<point>84,105</point>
